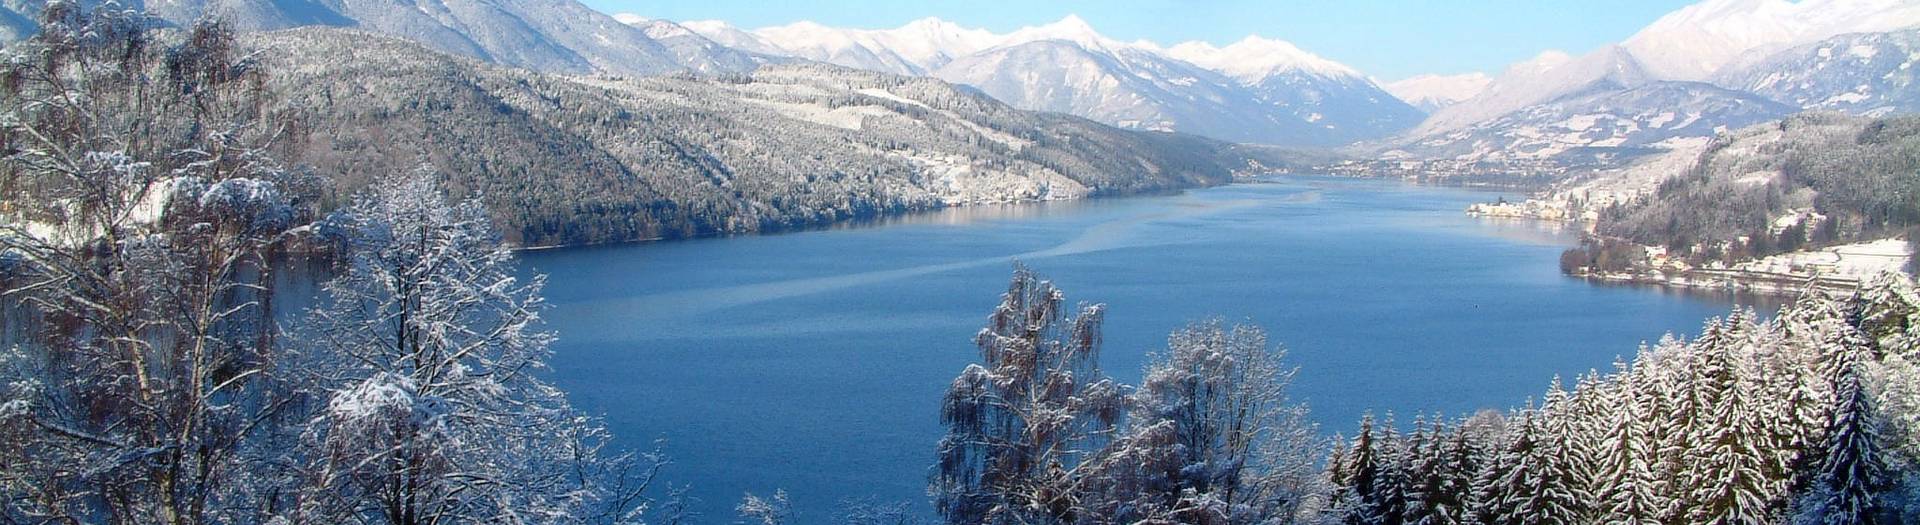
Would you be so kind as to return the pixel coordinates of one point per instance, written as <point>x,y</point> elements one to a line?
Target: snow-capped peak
<point>630,19</point>
<point>1071,29</point>
<point>1254,58</point>
<point>930,42</point>
<point>1696,41</point>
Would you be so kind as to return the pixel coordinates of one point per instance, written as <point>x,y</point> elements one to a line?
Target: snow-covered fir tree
<point>1756,421</point>
<point>1850,479</point>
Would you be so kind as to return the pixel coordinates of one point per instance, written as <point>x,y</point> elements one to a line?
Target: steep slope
<point>1871,74</point>
<point>1429,93</point>
<point>567,160</point>
<point>1698,41</point>
<point>1602,125</point>
<point>544,35</point>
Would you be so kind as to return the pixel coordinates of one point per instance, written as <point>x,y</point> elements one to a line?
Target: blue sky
<point>1389,39</point>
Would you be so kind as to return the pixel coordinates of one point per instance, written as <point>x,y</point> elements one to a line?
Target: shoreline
<point>1767,284</point>
<point>880,218</point>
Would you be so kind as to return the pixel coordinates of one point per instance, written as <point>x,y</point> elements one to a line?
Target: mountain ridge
<point>1253,90</point>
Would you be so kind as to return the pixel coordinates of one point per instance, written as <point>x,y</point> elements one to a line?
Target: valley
<point>858,262</point>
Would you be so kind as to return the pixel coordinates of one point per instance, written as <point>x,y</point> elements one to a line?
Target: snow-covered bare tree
<point>139,207</point>
<point>1022,422</point>
<point>1212,437</point>
<point>427,351</point>
<point>776,510</point>
<point>874,512</point>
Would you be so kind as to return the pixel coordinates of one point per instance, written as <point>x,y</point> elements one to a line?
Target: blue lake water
<point>815,361</point>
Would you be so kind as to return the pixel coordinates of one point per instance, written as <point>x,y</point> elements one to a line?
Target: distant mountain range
<point>1255,90</point>
<point>1705,68</point>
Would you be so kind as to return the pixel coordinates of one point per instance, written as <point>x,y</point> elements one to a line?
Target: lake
<point>815,361</point>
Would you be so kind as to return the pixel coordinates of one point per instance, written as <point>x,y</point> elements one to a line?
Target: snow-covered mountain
<point>1872,74</point>
<point>544,35</point>
<point>1697,41</point>
<point>1546,77</point>
<point>1429,93</point>
<point>1254,58</point>
<point>1763,57</point>
<point>1603,124</point>
<point>1127,87</point>
<point>1255,90</point>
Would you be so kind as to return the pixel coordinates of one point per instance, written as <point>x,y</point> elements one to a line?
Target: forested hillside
<point>570,160</point>
<point>1808,180</point>
<point>1808,417</point>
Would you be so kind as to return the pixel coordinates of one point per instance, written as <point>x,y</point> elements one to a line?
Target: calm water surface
<point>815,361</point>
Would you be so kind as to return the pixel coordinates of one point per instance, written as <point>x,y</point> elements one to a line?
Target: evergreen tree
<point>1522,490</point>
<point>1358,483</point>
<point>1728,476</point>
<point>1439,471</point>
<point>1851,478</point>
<point>1629,489</point>
<point>1390,498</point>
